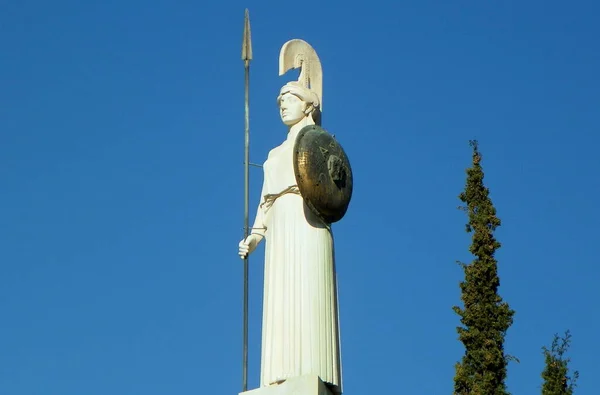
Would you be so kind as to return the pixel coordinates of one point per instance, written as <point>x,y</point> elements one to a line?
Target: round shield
<point>323,173</point>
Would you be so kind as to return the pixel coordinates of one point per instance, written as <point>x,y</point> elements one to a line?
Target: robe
<point>300,328</point>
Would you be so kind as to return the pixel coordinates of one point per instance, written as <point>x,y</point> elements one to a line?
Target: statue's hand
<point>247,246</point>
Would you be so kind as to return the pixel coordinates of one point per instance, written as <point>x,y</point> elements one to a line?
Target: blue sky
<point>121,186</point>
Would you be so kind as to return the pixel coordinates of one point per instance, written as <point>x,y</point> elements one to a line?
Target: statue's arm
<point>259,228</point>
<point>257,232</point>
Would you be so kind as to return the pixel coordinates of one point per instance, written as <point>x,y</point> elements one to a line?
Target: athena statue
<point>300,328</point>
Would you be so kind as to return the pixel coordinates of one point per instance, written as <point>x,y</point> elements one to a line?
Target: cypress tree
<point>485,317</point>
<point>556,372</point>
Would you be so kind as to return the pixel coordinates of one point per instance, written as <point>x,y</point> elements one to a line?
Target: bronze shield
<point>323,173</point>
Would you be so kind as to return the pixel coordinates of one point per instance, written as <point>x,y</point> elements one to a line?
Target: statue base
<point>303,385</point>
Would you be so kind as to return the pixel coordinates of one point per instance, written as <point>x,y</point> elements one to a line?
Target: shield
<point>323,173</point>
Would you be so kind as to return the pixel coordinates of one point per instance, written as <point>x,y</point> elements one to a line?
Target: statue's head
<point>297,103</point>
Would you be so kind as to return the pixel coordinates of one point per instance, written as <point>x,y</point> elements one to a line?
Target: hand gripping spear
<point>246,57</point>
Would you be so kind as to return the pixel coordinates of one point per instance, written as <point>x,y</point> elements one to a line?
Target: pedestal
<point>303,385</point>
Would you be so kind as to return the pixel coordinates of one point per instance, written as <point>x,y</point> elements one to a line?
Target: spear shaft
<point>246,57</point>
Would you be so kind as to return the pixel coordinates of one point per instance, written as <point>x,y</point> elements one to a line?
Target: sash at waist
<point>270,198</point>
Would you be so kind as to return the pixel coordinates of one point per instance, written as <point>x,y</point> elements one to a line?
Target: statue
<point>300,330</point>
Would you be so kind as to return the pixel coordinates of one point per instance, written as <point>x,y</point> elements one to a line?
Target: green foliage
<point>485,317</point>
<point>556,373</point>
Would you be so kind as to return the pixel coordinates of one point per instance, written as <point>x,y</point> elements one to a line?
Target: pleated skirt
<point>300,332</point>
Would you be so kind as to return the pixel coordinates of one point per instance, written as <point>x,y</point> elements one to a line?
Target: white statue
<point>300,332</point>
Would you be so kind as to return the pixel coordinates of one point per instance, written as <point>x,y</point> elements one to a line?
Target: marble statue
<point>300,329</point>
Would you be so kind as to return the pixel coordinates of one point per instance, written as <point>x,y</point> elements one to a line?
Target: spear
<point>246,57</point>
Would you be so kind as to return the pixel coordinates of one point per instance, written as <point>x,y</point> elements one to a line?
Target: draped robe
<point>300,329</point>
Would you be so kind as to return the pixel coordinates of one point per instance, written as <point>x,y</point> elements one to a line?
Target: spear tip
<point>247,43</point>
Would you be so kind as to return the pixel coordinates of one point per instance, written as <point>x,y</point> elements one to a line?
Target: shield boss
<point>323,173</point>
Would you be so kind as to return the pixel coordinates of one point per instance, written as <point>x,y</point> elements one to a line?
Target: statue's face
<point>292,109</point>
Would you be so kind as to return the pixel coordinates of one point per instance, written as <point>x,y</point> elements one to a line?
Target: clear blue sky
<point>121,186</point>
